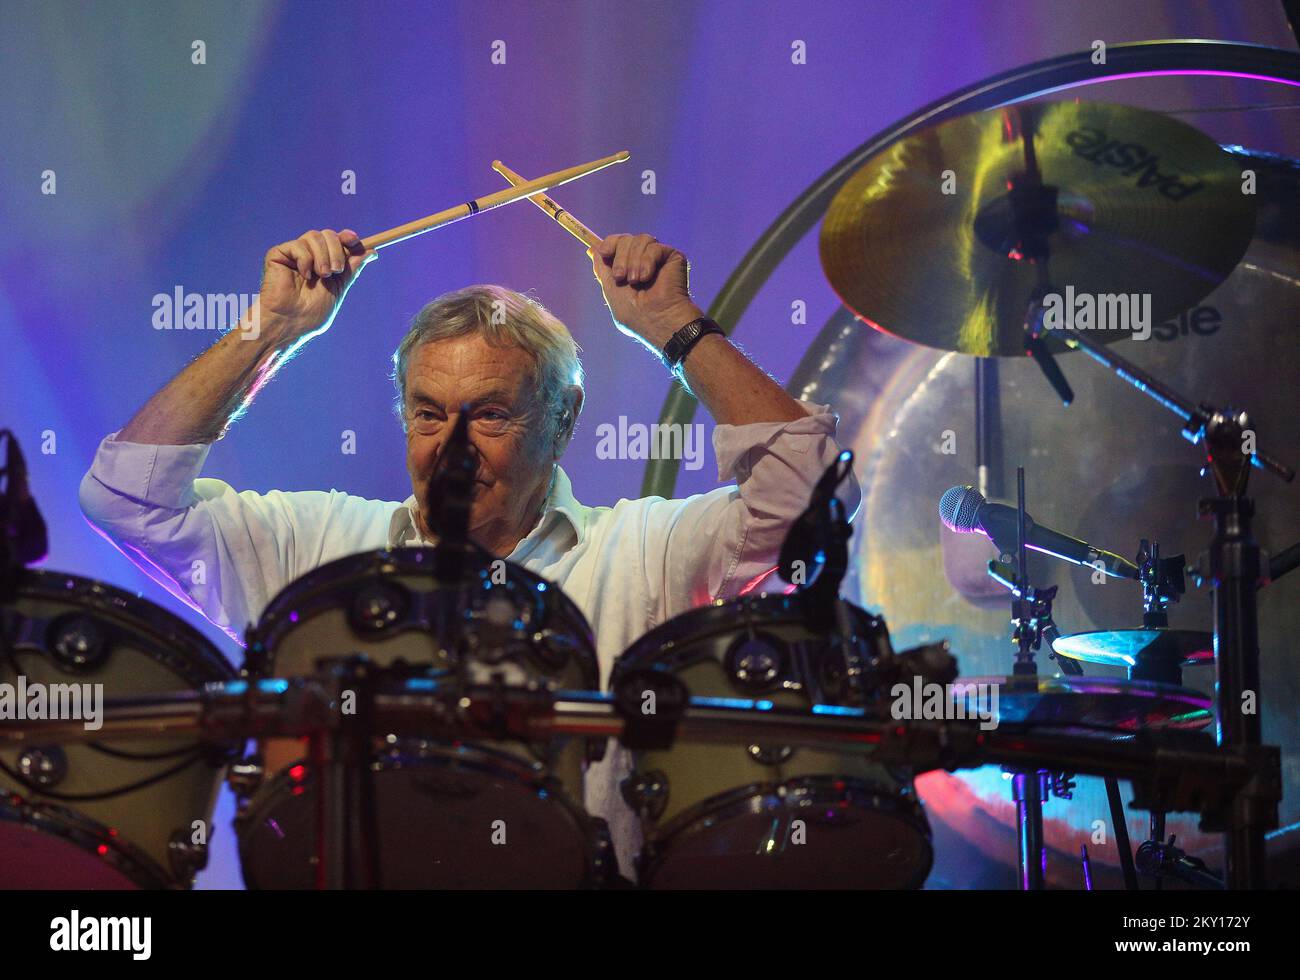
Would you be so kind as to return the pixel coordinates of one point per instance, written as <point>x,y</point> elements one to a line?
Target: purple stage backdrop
<point>156,147</point>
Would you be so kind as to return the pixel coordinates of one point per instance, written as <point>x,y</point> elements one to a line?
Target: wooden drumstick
<point>548,204</point>
<point>510,194</point>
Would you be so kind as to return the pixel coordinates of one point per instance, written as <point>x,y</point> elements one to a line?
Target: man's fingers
<point>635,257</point>
<point>603,271</point>
<point>293,255</point>
<point>622,269</point>
<point>320,252</point>
<point>607,246</point>
<point>337,257</point>
<point>653,257</point>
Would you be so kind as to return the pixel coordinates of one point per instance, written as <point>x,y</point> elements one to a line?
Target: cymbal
<point>920,242</point>
<point>1095,703</point>
<point>1124,648</point>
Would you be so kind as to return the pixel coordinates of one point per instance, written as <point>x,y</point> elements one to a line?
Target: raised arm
<point>645,283</point>
<point>224,552</point>
<point>304,282</point>
<point>719,544</point>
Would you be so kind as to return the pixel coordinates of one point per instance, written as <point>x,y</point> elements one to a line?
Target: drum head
<point>860,840</point>
<point>447,820</point>
<point>49,848</point>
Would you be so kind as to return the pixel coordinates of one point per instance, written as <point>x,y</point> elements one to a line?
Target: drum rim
<point>87,835</point>
<point>1067,685</point>
<point>720,614</point>
<point>201,657</point>
<point>264,636</point>
<point>901,803</point>
<point>475,757</point>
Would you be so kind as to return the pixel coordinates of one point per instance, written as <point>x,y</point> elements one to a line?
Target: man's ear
<point>573,399</point>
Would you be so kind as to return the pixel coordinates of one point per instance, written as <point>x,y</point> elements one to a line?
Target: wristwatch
<point>680,344</point>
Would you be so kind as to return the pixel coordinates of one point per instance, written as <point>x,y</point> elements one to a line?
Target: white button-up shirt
<point>628,567</point>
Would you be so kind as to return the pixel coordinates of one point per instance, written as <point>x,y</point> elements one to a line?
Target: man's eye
<point>492,415</point>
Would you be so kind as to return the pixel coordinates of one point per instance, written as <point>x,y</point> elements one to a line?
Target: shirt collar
<point>560,505</point>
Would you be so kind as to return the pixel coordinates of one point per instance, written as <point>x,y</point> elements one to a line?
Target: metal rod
<point>1162,393</point>
<point>288,708</point>
<point>1122,842</point>
<point>1031,863</point>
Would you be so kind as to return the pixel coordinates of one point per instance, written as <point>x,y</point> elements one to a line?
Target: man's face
<point>508,434</point>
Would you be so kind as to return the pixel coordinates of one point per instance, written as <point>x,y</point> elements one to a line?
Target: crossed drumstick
<point>534,190</point>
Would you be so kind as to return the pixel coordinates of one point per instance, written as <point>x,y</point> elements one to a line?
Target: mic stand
<point>1031,617</point>
<point>450,498</point>
<point>1162,860</point>
<point>1163,584</point>
<point>815,553</point>
<point>346,849</point>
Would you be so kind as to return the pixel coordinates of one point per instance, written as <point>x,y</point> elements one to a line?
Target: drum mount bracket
<point>651,702</point>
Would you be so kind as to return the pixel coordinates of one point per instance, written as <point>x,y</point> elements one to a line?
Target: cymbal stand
<point>1031,618</point>
<point>1236,565</point>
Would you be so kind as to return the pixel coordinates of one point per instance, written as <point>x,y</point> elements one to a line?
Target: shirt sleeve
<point>224,553</point>
<point>719,544</point>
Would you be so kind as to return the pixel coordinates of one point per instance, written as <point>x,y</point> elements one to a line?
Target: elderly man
<point>514,366</point>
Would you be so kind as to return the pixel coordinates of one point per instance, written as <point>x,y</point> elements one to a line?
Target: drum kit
<point>423,717</point>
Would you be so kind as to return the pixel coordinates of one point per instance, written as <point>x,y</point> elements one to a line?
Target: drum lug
<point>646,793</point>
<point>245,776</point>
<point>43,766</point>
<point>604,863</point>
<point>770,755</point>
<point>756,662</point>
<point>77,643</point>
<point>379,606</point>
<point>186,857</point>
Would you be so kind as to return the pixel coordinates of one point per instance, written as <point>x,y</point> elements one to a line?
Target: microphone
<point>451,491</point>
<point>811,538</point>
<point>23,537</point>
<point>964,510</point>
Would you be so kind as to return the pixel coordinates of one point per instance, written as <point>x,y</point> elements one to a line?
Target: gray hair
<point>504,318</point>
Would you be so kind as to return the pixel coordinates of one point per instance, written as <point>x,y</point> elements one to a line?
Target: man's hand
<point>304,281</point>
<point>645,286</point>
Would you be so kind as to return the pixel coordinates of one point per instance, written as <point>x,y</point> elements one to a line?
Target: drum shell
<point>309,618</point>
<point>312,619</point>
<point>149,651</point>
<point>708,782</point>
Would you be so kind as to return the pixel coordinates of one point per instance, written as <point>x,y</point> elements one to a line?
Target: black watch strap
<point>680,344</point>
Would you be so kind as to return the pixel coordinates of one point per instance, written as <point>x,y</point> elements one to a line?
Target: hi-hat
<point>1128,648</point>
<point>921,241</point>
